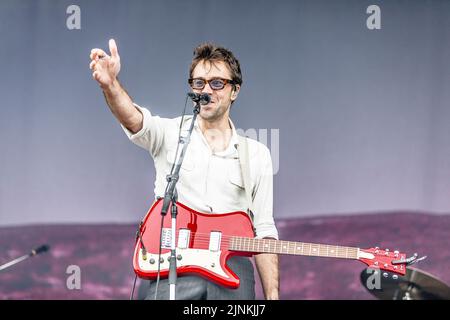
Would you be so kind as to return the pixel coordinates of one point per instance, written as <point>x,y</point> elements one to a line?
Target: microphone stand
<point>171,196</point>
<point>33,252</point>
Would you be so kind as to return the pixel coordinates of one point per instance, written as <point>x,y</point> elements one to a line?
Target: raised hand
<point>105,68</point>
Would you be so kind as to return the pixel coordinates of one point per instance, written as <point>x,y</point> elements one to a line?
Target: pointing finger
<point>113,48</point>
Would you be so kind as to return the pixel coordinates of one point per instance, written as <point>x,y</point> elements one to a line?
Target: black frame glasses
<point>222,83</point>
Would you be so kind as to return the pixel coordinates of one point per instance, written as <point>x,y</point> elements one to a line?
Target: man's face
<point>220,99</point>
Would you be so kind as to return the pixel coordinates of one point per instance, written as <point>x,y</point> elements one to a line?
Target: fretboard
<point>291,247</point>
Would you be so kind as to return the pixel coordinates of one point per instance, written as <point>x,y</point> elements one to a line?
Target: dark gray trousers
<point>197,288</point>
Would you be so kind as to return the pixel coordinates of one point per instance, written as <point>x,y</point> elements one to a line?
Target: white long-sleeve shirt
<point>209,181</point>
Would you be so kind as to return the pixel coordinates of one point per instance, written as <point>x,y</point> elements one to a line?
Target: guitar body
<point>202,243</point>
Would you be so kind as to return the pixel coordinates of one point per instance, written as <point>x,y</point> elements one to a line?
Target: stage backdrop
<point>352,96</point>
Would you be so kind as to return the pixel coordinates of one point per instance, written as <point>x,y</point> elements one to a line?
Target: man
<point>210,178</point>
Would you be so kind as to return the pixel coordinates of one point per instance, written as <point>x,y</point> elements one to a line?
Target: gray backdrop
<point>362,114</point>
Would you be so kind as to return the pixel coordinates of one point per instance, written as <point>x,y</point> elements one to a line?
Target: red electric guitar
<point>206,241</point>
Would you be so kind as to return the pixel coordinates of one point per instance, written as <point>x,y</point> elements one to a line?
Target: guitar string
<point>205,238</point>
<point>280,245</point>
<point>337,254</point>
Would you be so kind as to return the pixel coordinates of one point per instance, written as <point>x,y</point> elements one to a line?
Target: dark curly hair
<point>213,53</point>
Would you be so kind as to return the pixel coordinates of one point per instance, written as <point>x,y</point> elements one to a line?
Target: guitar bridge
<point>166,238</point>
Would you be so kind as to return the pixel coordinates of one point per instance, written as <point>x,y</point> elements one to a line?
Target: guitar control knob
<point>179,257</point>
<point>152,261</point>
<point>385,274</point>
<point>395,277</point>
<point>376,263</point>
<point>161,260</point>
<point>385,265</point>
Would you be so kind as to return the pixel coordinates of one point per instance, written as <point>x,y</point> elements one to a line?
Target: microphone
<point>40,249</point>
<point>203,98</point>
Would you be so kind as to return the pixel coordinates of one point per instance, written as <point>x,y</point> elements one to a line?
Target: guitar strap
<point>244,161</point>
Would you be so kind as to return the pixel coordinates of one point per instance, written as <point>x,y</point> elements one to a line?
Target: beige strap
<point>244,162</point>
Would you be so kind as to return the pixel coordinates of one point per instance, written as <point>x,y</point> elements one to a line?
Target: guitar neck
<point>292,248</point>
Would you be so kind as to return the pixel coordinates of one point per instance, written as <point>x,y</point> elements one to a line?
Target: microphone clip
<point>202,98</point>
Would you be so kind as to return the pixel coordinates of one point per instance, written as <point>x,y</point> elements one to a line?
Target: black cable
<point>159,258</point>
<point>138,236</point>
<point>134,285</point>
<point>179,137</point>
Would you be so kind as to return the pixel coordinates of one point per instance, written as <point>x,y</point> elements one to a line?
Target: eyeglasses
<point>214,83</point>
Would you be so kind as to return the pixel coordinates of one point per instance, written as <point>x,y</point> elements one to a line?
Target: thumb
<point>113,48</point>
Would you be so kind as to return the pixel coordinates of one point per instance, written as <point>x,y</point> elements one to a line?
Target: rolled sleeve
<point>151,136</point>
<point>263,199</point>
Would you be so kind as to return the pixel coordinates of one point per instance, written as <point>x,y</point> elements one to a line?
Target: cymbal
<point>414,285</point>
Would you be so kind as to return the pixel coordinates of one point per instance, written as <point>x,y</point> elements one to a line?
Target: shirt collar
<point>234,141</point>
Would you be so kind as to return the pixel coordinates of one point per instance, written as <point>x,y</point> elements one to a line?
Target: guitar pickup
<point>183,238</point>
<point>214,240</point>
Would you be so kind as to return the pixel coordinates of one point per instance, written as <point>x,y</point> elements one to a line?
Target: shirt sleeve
<point>151,136</point>
<point>263,197</point>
